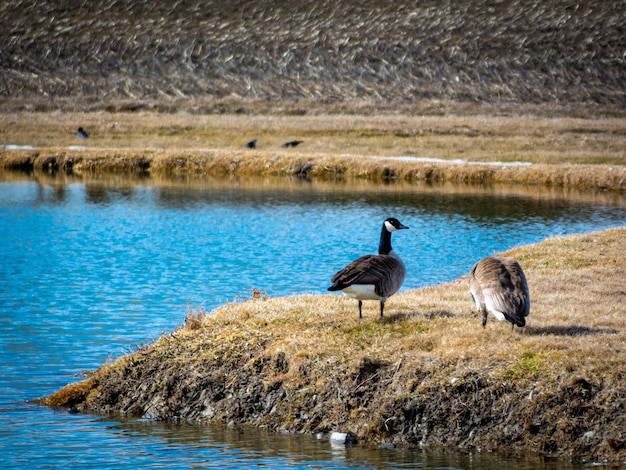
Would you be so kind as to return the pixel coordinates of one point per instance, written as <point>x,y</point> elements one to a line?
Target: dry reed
<point>330,168</point>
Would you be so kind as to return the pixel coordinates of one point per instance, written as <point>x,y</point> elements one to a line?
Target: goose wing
<point>499,284</point>
<point>385,272</point>
<point>519,293</point>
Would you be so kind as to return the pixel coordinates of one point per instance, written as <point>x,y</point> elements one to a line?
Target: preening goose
<point>373,277</point>
<point>498,285</point>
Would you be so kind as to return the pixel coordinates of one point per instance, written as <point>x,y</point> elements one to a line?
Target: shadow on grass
<point>396,317</point>
<point>564,330</point>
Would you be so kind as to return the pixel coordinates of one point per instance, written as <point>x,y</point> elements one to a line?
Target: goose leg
<point>382,308</point>
<point>360,305</point>
<point>484,319</point>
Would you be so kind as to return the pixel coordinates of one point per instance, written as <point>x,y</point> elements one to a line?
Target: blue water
<point>90,270</point>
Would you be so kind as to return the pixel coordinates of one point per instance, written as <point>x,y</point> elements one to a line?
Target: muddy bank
<point>323,167</point>
<point>425,375</point>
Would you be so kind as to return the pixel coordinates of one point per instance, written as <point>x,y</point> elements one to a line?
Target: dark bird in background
<point>373,277</point>
<point>292,143</point>
<point>251,144</point>
<point>82,134</point>
<point>498,285</point>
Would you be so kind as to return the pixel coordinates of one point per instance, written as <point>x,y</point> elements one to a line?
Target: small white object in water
<point>341,439</point>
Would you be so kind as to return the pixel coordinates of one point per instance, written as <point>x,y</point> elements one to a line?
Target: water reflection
<point>496,202</point>
<point>253,448</point>
<point>102,194</point>
<point>36,437</point>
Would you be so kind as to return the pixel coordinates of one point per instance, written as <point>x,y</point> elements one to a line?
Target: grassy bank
<point>426,374</point>
<point>478,136</point>
<point>558,151</point>
<point>325,167</point>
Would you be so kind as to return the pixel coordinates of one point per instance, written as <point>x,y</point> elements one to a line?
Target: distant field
<point>298,57</point>
<point>478,138</point>
<point>539,82</point>
<point>564,152</point>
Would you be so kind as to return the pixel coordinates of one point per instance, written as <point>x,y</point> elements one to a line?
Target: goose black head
<point>392,224</point>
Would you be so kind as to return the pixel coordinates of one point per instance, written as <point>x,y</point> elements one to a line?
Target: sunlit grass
<point>481,138</point>
<point>324,362</point>
<point>335,147</point>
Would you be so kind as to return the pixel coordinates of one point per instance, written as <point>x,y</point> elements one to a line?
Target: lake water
<point>89,269</point>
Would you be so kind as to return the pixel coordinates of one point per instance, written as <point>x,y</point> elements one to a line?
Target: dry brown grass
<point>209,164</point>
<point>578,294</point>
<point>381,54</point>
<point>564,152</point>
<point>426,373</point>
<point>477,137</point>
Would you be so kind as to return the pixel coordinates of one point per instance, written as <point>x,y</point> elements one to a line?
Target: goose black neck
<point>384,247</point>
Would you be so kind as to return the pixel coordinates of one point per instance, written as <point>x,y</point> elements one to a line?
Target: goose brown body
<point>385,272</point>
<point>498,285</point>
<point>373,277</point>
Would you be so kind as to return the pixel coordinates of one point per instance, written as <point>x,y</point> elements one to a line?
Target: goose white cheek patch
<point>390,228</point>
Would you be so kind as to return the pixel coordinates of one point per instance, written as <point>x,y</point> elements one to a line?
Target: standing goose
<point>498,285</point>
<point>373,277</point>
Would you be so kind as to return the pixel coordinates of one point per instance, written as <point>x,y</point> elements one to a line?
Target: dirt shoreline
<point>426,375</point>
<point>605,178</point>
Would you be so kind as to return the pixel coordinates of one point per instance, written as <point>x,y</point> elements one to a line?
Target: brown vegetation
<point>347,55</point>
<point>565,152</point>
<point>426,374</point>
<point>532,138</point>
<point>333,168</point>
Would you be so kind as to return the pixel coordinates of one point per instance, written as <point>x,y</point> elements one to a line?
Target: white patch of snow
<point>18,147</point>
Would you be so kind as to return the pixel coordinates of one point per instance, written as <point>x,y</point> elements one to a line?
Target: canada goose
<point>498,285</point>
<point>251,144</point>
<point>292,143</point>
<point>373,277</point>
<point>82,134</point>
